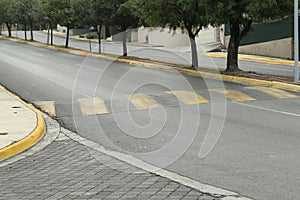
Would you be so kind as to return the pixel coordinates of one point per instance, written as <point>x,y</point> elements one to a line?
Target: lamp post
<point>296,41</point>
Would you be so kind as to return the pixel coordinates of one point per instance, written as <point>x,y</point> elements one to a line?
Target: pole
<point>296,40</point>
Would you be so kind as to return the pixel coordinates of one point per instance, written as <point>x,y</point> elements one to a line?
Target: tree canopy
<point>188,16</point>
<point>240,14</point>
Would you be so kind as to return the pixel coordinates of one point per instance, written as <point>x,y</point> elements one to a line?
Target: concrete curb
<point>234,79</point>
<point>29,140</point>
<point>255,59</point>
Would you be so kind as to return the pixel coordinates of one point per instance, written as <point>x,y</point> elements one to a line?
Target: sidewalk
<point>69,170</point>
<point>254,58</point>
<point>65,166</point>
<point>202,48</point>
<point>21,126</point>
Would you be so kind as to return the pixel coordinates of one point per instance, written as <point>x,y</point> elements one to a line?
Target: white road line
<point>268,109</point>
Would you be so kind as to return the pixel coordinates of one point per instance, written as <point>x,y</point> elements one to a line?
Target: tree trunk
<point>124,38</point>
<point>25,31</point>
<point>8,25</point>
<point>195,63</point>
<point>99,42</point>
<point>48,33</point>
<point>51,40</point>
<point>233,48</point>
<point>67,37</point>
<point>99,37</point>
<point>31,32</point>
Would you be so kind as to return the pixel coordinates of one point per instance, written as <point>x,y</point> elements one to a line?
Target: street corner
<point>21,125</point>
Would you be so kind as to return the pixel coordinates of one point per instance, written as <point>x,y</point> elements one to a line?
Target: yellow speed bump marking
<point>274,92</point>
<point>92,106</point>
<point>234,95</point>
<point>142,101</point>
<point>46,106</point>
<point>189,98</point>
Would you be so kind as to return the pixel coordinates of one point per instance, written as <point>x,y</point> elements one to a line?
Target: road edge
<point>274,61</point>
<point>29,141</point>
<point>220,193</point>
<point>218,76</point>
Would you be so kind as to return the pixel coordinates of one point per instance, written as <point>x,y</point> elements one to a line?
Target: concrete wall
<point>207,35</point>
<point>63,29</point>
<point>143,35</point>
<point>278,48</point>
<point>119,37</point>
<point>165,37</point>
<point>134,36</point>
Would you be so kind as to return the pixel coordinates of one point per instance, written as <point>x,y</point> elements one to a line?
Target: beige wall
<point>206,35</point>
<point>143,34</point>
<point>278,48</point>
<point>165,37</point>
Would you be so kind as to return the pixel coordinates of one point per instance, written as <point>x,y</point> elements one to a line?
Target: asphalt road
<point>135,110</point>
<point>168,54</point>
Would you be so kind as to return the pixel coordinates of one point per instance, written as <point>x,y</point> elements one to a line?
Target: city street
<point>248,135</point>
<point>168,54</point>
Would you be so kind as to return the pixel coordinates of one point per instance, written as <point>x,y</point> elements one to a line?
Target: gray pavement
<point>257,154</point>
<point>66,169</point>
<point>179,54</point>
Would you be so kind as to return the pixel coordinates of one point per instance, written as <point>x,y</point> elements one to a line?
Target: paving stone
<point>68,170</point>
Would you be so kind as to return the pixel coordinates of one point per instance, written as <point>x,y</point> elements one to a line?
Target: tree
<point>187,15</point>
<point>73,13</point>
<point>83,14</point>
<point>66,16</point>
<point>100,15</point>
<point>68,13</point>
<point>240,14</point>
<point>49,12</point>
<point>21,8</point>
<point>1,14</point>
<point>34,15</point>
<point>123,18</point>
<point>7,14</point>
<point>27,13</point>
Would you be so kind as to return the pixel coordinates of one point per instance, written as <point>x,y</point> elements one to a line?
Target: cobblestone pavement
<point>68,170</point>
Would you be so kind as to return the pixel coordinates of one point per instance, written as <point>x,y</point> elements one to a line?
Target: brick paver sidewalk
<point>68,170</point>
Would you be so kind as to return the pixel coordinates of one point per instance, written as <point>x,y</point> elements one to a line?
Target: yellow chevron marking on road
<point>92,106</point>
<point>234,95</point>
<point>274,92</point>
<point>142,101</point>
<point>46,106</point>
<point>189,98</point>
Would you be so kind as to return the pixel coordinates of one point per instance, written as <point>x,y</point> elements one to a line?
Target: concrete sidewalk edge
<point>259,59</point>
<point>254,58</point>
<point>229,78</point>
<point>29,140</point>
<point>224,194</point>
